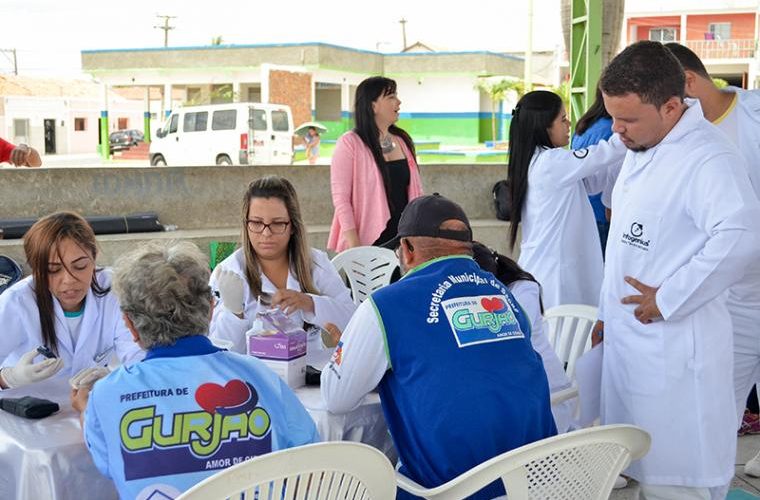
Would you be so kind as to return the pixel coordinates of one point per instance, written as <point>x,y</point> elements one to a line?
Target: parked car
<point>225,134</point>
<point>125,139</point>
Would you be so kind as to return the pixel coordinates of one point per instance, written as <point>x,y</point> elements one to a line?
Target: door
<point>259,137</point>
<point>169,147</point>
<point>281,136</point>
<point>49,136</point>
<point>194,142</point>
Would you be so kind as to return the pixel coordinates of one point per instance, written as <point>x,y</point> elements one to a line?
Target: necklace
<point>386,144</point>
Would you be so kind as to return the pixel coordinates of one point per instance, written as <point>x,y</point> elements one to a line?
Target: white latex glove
<point>88,376</point>
<point>25,372</point>
<point>230,291</point>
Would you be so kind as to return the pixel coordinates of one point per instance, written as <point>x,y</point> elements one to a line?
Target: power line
<point>165,27</point>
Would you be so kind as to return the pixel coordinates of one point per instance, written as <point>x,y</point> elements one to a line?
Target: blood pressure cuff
<point>29,407</point>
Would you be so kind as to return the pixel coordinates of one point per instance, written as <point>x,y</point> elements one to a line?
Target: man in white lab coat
<point>685,225</point>
<point>737,113</point>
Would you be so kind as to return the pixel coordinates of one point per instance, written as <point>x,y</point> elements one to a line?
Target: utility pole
<point>403,33</point>
<point>15,60</point>
<point>165,27</point>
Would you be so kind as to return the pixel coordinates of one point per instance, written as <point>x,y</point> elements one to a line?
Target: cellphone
<point>45,351</point>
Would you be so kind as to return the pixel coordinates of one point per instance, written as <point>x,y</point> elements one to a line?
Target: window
<point>123,123</point>
<point>720,31</point>
<point>80,124</point>
<point>20,128</point>
<point>174,124</point>
<point>259,117</point>
<point>662,34</point>
<point>194,95</point>
<point>195,122</point>
<point>224,119</point>
<point>280,121</point>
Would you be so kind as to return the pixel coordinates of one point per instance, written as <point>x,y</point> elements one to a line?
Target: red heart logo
<point>492,305</point>
<point>212,396</point>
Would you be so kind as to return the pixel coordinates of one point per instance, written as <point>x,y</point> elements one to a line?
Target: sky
<point>48,35</point>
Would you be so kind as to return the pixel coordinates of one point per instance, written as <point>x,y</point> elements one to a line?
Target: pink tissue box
<point>278,346</point>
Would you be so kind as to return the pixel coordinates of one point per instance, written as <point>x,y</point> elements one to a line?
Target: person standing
<point>737,113</point>
<point>312,141</point>
<point>686,225</point>
<point>550,187</point>
<point>373,174</point>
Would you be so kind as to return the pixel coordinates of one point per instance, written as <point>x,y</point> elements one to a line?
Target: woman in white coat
<point>66,305</point>
<point>527,291</point>
<point>275,268</point>
<point>550,187</point>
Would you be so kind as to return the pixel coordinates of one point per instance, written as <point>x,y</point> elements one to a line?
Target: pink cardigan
<point>358,192</point>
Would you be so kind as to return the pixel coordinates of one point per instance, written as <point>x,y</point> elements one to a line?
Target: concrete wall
<point>205,202</point>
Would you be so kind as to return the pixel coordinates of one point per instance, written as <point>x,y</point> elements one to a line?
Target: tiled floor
<point>743,487</point>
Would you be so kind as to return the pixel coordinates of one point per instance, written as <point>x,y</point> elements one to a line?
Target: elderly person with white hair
<point>189,409</point>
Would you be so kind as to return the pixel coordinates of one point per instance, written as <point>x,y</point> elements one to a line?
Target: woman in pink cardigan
<point>374,172</point>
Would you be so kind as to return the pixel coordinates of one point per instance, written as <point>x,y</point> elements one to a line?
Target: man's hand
<point>333,337</point>
<point>647,311</point>
<point>290,301</point>
<point>597,334</point>
<point>25,156</point>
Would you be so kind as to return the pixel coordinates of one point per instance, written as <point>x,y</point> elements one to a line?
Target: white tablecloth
<point>47,458</point>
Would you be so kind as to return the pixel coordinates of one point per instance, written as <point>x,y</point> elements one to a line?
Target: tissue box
<point>293,371</point>
<point>278,347</point>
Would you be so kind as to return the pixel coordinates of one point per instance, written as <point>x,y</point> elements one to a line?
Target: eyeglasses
<point>257,226</point>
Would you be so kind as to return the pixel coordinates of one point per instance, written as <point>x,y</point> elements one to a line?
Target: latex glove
<point>230,291</point>
<point>26,372</point>
<point>88,376</point>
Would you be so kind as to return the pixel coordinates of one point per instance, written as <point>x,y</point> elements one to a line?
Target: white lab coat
<point>744,297</point>
<point>685,220</point>
<point>560,241</point>
<point>333,305</point>
<point>102,331</point>
<point>527,294</point>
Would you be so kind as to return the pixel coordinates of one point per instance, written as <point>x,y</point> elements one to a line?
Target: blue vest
<point>464,383</point>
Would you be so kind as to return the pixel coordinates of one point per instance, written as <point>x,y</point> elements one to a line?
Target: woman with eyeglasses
<point>65,308</point>
<point>275,268</point>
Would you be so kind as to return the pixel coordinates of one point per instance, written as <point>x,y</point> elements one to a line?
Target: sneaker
<point>752,468</point>
<point>750,423</point>
<point>621,482</point>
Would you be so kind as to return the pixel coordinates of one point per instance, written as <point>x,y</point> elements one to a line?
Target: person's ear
<point>671,107</point>
<point>131,328</point>
<point>691,83</point>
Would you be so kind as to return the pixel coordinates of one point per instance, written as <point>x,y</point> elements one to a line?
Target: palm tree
<point>497,91</point>
<point>217,40</point>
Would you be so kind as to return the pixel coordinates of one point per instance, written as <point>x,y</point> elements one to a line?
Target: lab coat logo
<point>481,319</point>
<point>635,237</point>
<point>580,153</point>
<point>228,427</point>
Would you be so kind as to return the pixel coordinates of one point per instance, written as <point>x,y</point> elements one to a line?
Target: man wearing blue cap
<point>450,349</point>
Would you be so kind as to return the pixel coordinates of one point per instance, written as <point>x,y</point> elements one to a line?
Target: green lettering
<point>171,439</point>
<point>208,445</point>
<point>462,320</point>
<point>235,423</point>
<point>258,422</point>
<point>142,441</point>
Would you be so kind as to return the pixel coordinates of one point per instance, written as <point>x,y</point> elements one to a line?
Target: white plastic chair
<point>580,465</point>
<point>569,332</point>
<point>335,470</point>
<point>367,269</point>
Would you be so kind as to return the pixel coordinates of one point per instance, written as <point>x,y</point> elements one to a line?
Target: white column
<point>167,99</point>
<point>345,97</point>
<point>683,29</point>
<point>236,97</point>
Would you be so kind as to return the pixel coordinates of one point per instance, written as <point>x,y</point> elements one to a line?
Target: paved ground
<point>748,447</point>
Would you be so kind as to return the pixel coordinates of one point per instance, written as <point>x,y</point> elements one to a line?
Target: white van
<point>239,133</point>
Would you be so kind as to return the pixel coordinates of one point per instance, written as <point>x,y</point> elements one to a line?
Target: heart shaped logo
<point>492,305</point>
<point>236,396</point>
